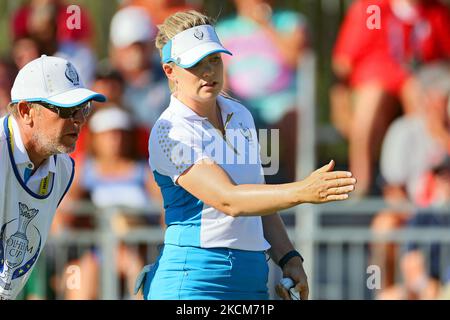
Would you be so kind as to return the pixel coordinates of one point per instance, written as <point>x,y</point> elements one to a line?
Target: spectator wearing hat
<point>49,105</point>
<point>113,175</point>
<point>131,51</point>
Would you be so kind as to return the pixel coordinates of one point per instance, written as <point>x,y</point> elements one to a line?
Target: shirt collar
<point>21,155</point>
<point>184,111</point>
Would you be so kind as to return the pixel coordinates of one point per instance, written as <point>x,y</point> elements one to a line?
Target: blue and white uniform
<point>207,254</point>
<point>27,206</point>
<point>28,199</point>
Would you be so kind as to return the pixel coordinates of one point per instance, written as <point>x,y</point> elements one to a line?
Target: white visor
<point>187,48</point>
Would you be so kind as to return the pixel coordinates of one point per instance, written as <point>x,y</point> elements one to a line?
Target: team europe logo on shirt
<point>15,248</point>
<point>72,74</point>
<point>246,132</point>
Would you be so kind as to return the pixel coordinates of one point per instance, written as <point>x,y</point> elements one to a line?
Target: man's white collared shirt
<point>25,166</point>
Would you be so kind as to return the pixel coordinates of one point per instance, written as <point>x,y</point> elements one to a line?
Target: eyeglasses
<point>69,113</point>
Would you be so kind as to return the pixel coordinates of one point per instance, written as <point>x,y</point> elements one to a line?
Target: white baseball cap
<point>131,25</point>
<point>187,48</point>
<point>52,80</point>
<point>110,118</point>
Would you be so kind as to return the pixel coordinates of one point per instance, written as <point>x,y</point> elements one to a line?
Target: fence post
<point>108,245</point>
<point>305,217</point>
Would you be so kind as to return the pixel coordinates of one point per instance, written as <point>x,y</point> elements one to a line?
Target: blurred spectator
<point>377,65</point>
<point>426,135</point>
<point>266,46</point>
<point>114,174</point>
<point>46,22</point>
<point>159,10</point>
<point>51,25</point>
<point>416,284</point>
<point>109,83</point>
<point>7,75</point>
<point>146,92</point>
<point>421,275</point>
<point>111,177</point>
<point>23,51</point>
<point>414,148</point>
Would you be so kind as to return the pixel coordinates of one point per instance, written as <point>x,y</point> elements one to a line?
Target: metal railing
<point>338,264</point>
<point>336,254</point>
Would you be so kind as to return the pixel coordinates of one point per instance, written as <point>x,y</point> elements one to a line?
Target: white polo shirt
<point>181,138</point>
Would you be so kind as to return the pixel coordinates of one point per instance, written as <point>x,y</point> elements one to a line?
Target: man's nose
<point>79,117</point>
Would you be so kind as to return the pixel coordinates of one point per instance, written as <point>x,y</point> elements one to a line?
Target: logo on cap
<point>72,75</point>
<point>198,34</point>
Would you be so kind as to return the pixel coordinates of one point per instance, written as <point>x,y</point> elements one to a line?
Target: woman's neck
<point>205,108</point>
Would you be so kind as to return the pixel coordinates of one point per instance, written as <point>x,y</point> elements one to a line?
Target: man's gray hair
<point>436,77</point>
<point>12,108</point>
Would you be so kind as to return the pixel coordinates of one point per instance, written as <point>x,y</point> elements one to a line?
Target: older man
<point>49,105</point>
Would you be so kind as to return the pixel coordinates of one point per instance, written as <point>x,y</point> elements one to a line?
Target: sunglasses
<point>68,113</point>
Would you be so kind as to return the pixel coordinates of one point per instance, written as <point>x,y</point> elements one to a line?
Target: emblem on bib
<point>16,248</point>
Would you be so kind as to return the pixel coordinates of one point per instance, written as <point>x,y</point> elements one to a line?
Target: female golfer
<point>221,217</point>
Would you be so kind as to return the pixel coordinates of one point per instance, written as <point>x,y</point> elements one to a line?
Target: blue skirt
<point>192,273</point>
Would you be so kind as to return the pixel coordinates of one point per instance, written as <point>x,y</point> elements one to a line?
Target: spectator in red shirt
<point>46,22</point>
<point>59,29</point>
<point>377,64</point>
<point>159,10</point>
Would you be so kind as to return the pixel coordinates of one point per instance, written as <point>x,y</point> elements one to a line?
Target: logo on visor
<point>198,34</point>
<point>72,75</point>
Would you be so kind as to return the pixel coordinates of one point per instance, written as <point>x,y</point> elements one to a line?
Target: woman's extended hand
<point>324,185</point>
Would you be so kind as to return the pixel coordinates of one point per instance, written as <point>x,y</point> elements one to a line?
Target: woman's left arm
<point>275,233</point>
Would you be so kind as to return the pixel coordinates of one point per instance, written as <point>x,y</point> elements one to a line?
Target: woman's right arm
<point>210,183</point>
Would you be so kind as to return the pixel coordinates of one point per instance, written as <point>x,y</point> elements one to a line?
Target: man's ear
<point>25,112</point>
<point>168,70</point>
